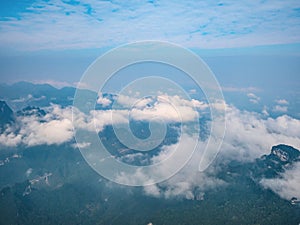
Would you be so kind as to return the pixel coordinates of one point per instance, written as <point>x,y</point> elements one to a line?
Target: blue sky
<point>70,24</point>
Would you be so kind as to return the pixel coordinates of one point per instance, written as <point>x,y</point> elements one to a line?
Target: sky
<point>36,25</point>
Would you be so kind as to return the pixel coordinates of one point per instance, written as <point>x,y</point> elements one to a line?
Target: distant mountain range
<point>23,94</point>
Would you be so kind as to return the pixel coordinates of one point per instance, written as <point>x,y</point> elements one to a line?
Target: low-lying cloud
<point>288,185</point>
<point>249,135</point>
<point>33,130</point>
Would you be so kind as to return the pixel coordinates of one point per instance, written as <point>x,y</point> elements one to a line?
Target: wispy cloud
<point>240,89</point>
<point>282,102</point>
<point>202,24</point>
<point>253,98</point>
<point>279,108</point>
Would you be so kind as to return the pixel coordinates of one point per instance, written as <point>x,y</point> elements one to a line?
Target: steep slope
<point>281,158</point>
<point>6,115</point>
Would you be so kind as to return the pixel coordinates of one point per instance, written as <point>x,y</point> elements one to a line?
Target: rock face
<point>284,154</point>
<point>272,165</point>
<point>6,115</point>
<point>295,201</point>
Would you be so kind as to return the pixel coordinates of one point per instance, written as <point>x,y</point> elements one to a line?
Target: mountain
<point>23,89</point>
<point>23,94</point>
<point>284,154</point>
<point>280,158</point>
<point>54,185</point>
<point>31,110</point>
<point>6,115</point>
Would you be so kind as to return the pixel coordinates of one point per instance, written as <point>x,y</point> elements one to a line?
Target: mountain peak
<point>6,114</point>
<point>284,153</point>
<point>272,165</point>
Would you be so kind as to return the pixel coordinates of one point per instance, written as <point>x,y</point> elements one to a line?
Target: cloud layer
<point>288,186</point>
<point>53,128</point>
<point>243,140</point>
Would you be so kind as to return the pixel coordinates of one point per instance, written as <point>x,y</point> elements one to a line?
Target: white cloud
<point>53,128</point>
<point>240,89</point>
<point>103,101</point>
<point>186,181</point>
<point>253,98</point>
<point>192,91</point>
<point>200,24</point>
<point>143,103</point>
<point>166,112</point>
<point>164,107</point>
<point>251,95</point>
<point>254,101</point>
<point>10,139</point>
<point>28,172</point>
<point>279,108</point>
<point>56,126</point>
<point>126,101</point>
<point>284,125</point>
<point>243,142</point>
<point>288,186</point>
<point>50,132</point>
<point>243,139</point>
<point>98,119</point>
<point>282,102</point>
<point>265,111</point>
<point>152,190</point>
<point>183,183</point>
<point>81,145</point>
